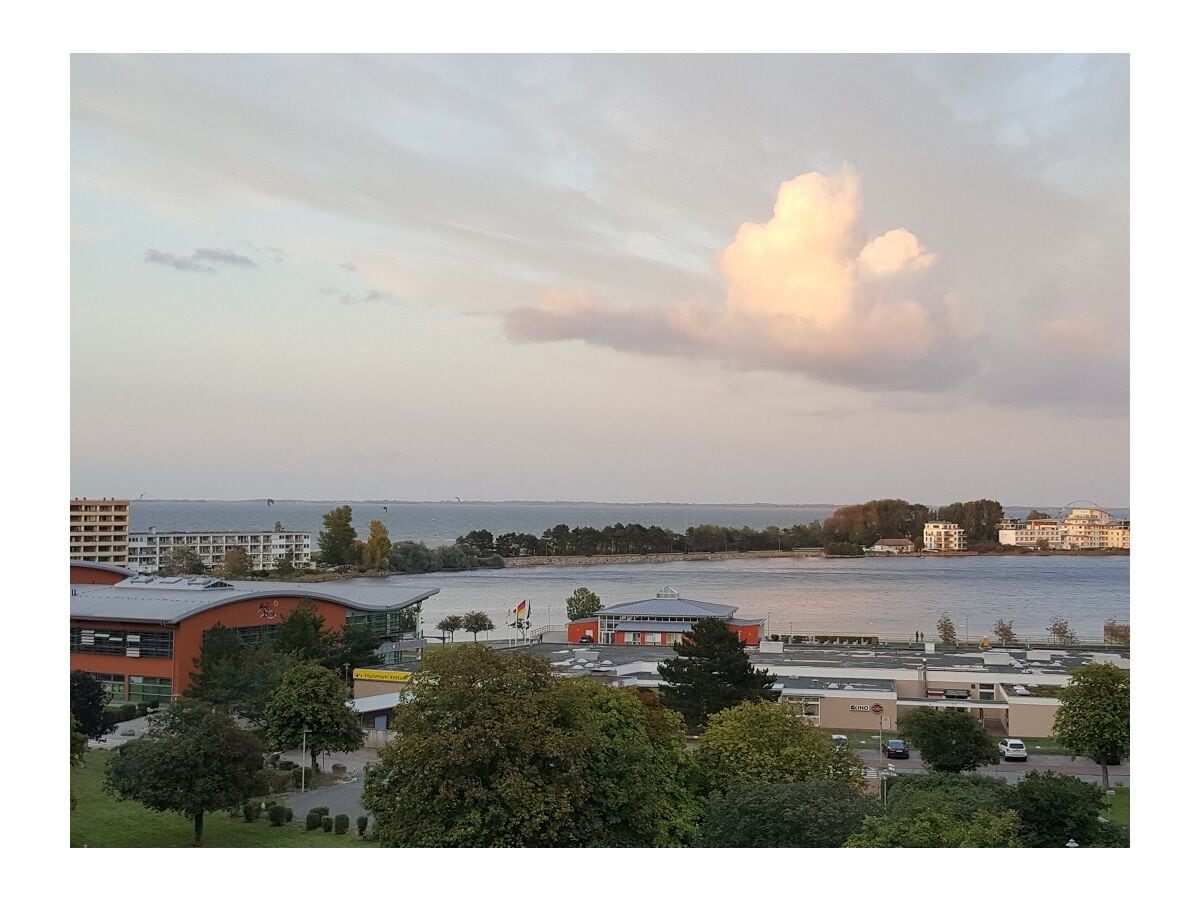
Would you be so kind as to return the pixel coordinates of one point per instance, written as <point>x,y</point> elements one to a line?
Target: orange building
<point>662,620</point>
<point>140,636</point>
<point>98,573</point>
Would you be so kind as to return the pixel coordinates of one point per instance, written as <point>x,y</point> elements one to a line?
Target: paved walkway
<point>116,739</point>
<point>340,798</point>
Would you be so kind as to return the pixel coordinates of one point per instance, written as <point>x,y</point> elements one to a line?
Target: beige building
<point>941,537</point>
<point>1047,534</point>
<point>1091,528</point>
<point>100,530</point>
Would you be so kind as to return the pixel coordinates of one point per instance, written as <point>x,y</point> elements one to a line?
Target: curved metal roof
<point>168,604</point>
<point>669,607</point>
<point>103,567</point>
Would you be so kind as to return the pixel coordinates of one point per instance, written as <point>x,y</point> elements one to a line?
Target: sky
<point>720,279</point>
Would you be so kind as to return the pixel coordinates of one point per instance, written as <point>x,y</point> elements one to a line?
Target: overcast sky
<point>702,279</point>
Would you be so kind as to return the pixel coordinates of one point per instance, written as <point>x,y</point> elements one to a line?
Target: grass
<point>101,820</point>
<point>1118,807</point>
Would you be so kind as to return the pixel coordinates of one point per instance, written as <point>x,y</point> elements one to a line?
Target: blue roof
<point>673,627</point>
<point>672,607</point>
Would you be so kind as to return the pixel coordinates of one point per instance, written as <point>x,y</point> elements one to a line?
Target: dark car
<point>896,749</point>
<point>586,639</point>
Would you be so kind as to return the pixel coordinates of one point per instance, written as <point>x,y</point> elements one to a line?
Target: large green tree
<point>377,550</point>
<point>183,561</point>
<point>192,760</point>
<point>1056,808</point>
<point>476,621</point>
<point>711,672</point>
<point>818,813</point>
<point>1093,718</point>
<point>449,625</point>
<point>582,604</point>
<point>763,743</point>
<point>955,795</point>
<point>235,674</point>
<point>235,563</point>
<point>492,750</point>
<point>88,702</point>
<point>302,634</point>
<point>312,699</point>
<point>336,539</point>
<point>949,740</point>
<point>935,829</point>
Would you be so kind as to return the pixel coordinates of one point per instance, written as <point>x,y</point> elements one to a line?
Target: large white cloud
<point>807,290</point>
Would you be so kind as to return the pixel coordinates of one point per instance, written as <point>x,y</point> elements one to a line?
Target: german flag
<point>522,609</point>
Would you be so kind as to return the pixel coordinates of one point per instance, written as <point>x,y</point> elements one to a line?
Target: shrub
<point>312,820</point>
<point>326,824</point>
<point>774,637</point>
<point>277,815</point>
<point>297,776</point>
<point>321,810</point>
<point>361,824</point>
<point>286,764</point>
<point>287,813</point>
<point>341,823</point>
<point>250,811</point>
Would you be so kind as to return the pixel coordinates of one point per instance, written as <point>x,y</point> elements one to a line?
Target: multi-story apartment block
<point>151,550</point>
<point>1035,534</point>
<point>944,536</point>
<point>1084,528</point>
<point>100,530</point>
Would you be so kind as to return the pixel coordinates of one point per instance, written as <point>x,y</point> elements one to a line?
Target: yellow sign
<point>381,675</point>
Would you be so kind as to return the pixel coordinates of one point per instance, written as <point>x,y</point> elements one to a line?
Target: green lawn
<point>1118,807</point>
<point>100,820</point>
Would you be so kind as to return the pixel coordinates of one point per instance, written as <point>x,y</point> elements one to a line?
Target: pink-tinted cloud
<point>806,291</point>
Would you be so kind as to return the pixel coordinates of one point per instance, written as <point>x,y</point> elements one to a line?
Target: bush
<point>361,824</point>
<point>774,637</point>
<point>312,820</point>
<point>297,776</point>
<point>277,782</point>
<point>286,765</point>
<point>321,810</point>
<point>277,815</point>
<point>326,824</point>
<point>341,823</point>
<point>287,813</point>
<point>250,811</point>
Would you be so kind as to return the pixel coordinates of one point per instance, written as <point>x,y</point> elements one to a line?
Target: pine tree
<point>711,672</point>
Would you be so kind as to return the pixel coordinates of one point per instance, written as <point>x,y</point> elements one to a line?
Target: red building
<point>661,620</point>
<point>98,573</point>
<point>141,635</point>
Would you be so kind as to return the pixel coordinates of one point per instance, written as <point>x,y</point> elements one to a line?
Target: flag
<point>521,610</point>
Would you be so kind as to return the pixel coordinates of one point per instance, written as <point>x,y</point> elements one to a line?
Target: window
<point>987,692</point>
<point>653,637</point>
<point>144,689</point>
<point>118,642</point>
<point>631,637</point>
<point>114,686</point>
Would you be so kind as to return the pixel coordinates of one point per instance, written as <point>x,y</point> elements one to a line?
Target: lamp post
<point>303,755</point>
<point>1071,843</point>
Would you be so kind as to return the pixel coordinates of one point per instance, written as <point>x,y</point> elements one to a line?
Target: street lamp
<point>303,755</point>
<point>1071,843</point>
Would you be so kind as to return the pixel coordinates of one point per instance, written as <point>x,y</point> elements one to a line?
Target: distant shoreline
<point>520,562</point>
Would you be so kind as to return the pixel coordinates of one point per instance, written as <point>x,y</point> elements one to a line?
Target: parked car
<point>1012,750</point>
<point>586,639</point>
<point>896,749</point>
<point>839,740</point>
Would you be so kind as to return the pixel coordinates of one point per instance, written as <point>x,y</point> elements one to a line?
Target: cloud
<point>202,259</point>
<point>805,291</point>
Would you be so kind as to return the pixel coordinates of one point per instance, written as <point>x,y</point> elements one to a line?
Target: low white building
<point>892,546</point>
<point>150,550</point>
<point>942,537</point>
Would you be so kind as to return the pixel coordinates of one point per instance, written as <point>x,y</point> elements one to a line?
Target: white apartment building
<point>150,550</point>
<point>100,530</point>
<point>1032,533</point>
<point>1084,528</point>
<point>941,537</point>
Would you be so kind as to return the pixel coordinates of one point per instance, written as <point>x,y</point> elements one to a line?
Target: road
<point>1081,767</point>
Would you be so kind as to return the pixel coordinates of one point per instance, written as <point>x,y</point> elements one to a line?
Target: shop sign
<point>876,708</point>
<point>859,707</point>
<point>956,694</point>
<point>381,675</point>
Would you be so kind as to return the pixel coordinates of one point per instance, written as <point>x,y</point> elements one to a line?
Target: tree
<point>449,625</point>
<point>1060,630</point>
<point>1004,632</point>
<point>301,634</point>
<point>1093,715</point>
<point>843,548</point>
<point>377,552</point>
<point>231,673</point>
<point>1056,808</point>
<point>336,539</point>
<point>1116,632</point>
<point>455,557</point>
<point>954,795</point>
<point>582,604</point>
<point>284,566</point>
<point>711,672</point>
<point>312,698</point>
<point>193,759</point>
<point>763,743</point>
<point>183,561</point>
<point>934,829</point>
<point>88,702</point>
<point>475,622</point>
<point>949,740</point>
<point>236,563</point>
<point>818,813</point>
<point>354,647</point>
<point>480,541</point>
<point>409,556</point>
<point>79,742</point>
<point>947,633</point>
<point>1035,514</point>
<point>492,750</point>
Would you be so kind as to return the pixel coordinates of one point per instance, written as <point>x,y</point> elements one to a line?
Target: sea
<point>893,597</point>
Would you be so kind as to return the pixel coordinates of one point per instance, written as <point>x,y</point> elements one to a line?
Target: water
<point>441,523</point>
<point>855,596</point>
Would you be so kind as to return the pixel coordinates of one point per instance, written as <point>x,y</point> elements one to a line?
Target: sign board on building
<point>877,708</point>
<point>859,707</point>
<point>381,675</point>
<point>956,694</point>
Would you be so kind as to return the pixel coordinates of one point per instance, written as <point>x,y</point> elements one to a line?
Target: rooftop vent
<point>1021,690</point>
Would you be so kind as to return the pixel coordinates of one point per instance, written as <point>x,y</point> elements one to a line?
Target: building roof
<point>168,601</point>
<point>103,567</point>
<point>378,703</point>
<point>893,542</point>
<point>675,606</point>
<point>672,627</point>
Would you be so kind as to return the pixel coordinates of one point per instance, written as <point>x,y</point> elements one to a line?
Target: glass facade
<point>388,626</point>
<point>144,689</point>
<point>119,642</point>
<point>114,686</point>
